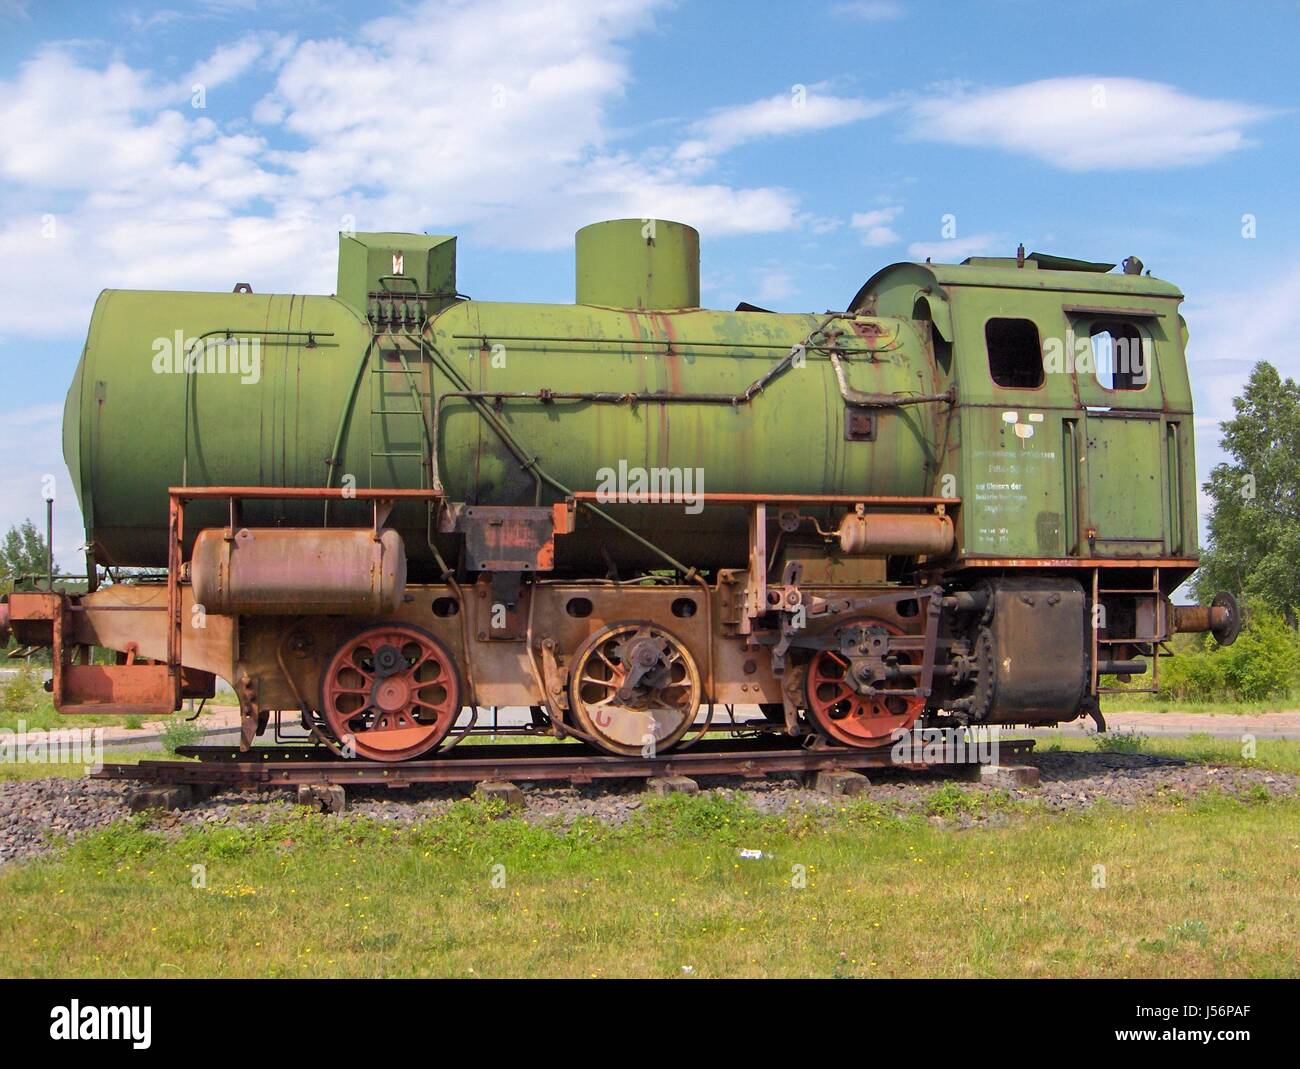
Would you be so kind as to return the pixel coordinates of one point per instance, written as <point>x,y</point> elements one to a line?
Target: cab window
<point>1120,355</point>
<point>1015,355</point>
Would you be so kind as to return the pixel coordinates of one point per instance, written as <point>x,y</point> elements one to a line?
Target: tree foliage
<point>1262,665</point>
<point>22,552</point>
<point>1254,527</point>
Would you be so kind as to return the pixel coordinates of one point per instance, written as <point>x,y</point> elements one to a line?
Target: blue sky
<point>810,143</point>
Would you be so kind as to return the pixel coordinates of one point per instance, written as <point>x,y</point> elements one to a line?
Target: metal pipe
<point>49,543</point>
<point>884,400</point>
<point>668,343</point>
<point>1121,668</point>
<point>286,493</point>
<point>465,733</point>
<point>800,499</point>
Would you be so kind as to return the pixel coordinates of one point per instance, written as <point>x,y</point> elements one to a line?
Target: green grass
<point>179,731</point>
<point>13,771</point>
<point>1209,889</point>
<point>39,715</point>
<point>1152,703</point>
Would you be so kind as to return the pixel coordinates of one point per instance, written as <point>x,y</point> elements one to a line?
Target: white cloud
<point>774,286</point>
<point>1225,342</point>
<point>1091,123</point>
<point>871,10</point>
<point>803,109</point>
<point>875,227</point>
<point>402,125</point>
<point>952,250</point>
<point>230,61</point>
<point>71,127</point>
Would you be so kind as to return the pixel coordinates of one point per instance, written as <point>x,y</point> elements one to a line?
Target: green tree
<point>1254,529</point>
<point>22,552</point>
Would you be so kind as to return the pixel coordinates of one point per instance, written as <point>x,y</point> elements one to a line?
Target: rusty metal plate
<point>116,689</point>
<point>508,539</point>
<point>859,424</point>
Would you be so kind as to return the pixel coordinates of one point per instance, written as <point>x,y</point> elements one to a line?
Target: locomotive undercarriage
<point>631,668</point>
<point>381,669</point>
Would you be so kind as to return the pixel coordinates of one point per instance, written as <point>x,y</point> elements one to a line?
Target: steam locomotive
<point>964,500</point>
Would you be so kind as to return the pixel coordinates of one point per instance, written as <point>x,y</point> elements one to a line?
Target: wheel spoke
<point>613,665</point>
<point>608,684</point>
<point>842,691</point>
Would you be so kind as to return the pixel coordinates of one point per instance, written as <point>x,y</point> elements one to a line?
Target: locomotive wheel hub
<point>634,688</point>
<point>848,687</point>
<point>390,693</point>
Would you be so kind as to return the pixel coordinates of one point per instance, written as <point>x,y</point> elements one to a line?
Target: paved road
<point>1285,725</point>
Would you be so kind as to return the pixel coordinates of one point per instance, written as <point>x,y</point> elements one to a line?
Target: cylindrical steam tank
<point>252,389</point>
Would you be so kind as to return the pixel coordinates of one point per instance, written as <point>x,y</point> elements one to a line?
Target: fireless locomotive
<point>963,500</point>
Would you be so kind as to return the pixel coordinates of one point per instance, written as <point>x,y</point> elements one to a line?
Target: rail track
<point>292,766</point>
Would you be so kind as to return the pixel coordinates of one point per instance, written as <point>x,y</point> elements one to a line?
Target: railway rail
<point>292,766</point>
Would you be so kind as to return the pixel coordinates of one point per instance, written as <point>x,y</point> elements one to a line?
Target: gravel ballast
<point>35,814</point>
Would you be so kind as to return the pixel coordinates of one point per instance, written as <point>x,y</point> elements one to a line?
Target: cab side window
<point>1120,355</point>
<point>1015,354</point>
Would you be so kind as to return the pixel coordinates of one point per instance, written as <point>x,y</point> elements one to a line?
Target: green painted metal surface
<point>638,263</point>
<point>129,436</point>
<point>1039,470</point>
<point>396,267</point>
<point>1042,469</point>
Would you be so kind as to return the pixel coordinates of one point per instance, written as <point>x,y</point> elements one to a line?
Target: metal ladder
<point>1153,595</point>
<point>399,397</point>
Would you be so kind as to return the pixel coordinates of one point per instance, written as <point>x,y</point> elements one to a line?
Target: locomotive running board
<point>293,766</point>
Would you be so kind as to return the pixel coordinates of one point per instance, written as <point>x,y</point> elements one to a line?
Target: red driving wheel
<point>390,693</point>
<point>854,719</point>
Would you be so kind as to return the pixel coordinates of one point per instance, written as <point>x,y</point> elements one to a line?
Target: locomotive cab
<point>1075,453</point>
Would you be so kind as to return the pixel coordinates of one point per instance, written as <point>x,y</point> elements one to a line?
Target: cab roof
<point>1040,271</point>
